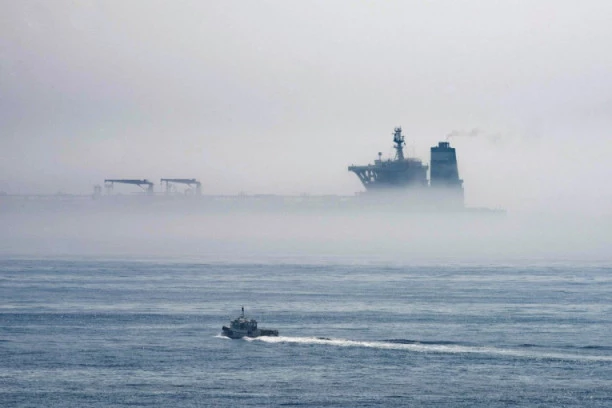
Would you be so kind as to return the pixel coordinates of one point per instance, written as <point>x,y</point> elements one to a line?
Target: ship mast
<point>398,139</point>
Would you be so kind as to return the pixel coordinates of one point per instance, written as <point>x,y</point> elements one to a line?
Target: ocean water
<point>114,333</point>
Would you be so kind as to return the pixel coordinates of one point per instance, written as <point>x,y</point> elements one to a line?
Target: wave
<point>443,347</point>
<point>597,347</point>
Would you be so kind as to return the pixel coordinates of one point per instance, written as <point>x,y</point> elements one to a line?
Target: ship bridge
<point>401,172</point>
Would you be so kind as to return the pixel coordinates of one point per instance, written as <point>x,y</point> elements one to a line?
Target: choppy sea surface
<point>113,333</point>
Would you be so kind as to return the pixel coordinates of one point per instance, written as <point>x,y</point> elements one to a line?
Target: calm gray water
<point>77,333</point>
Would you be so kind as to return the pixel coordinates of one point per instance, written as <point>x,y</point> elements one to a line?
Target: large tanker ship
<point>395,184</point>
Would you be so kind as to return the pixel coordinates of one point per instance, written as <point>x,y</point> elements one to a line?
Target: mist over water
<point>361,236</point>
<point>119,300</point>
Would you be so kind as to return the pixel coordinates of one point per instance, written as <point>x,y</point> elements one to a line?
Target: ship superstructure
<point>407,176</point>
<point>402,172</point>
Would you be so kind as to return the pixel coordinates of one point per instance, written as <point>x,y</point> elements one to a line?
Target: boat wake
<point>443,347</point>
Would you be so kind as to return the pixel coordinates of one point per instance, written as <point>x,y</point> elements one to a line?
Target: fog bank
<point>354,238</point>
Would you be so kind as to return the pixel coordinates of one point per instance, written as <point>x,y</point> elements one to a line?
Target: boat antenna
<point>242,312</point>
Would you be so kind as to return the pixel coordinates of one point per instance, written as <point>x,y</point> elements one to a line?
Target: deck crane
<point>189,182</point>
<point>144,184</point>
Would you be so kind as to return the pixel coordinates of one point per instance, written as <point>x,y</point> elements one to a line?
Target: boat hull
<point>238,334</point>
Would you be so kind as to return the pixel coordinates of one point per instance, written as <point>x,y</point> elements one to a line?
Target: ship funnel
<point>444,172</point>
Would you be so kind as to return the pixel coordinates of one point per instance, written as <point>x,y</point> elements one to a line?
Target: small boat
<point>242,327</point>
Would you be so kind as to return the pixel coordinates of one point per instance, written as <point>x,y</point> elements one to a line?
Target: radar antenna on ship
<point>398,139</point>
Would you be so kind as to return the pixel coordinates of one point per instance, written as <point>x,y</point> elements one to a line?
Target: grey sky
<point>280,96</point>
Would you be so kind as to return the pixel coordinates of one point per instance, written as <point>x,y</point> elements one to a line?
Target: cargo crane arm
<point>144,184</point>
<point>189,182</point>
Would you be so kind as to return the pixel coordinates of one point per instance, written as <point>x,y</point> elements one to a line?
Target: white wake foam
<point>432,348</point>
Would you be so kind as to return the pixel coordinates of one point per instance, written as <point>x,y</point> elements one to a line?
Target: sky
<point>281,96</point>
